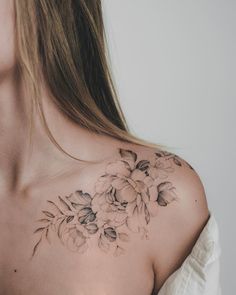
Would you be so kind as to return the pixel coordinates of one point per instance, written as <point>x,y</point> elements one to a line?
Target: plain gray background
<point>175,70</point>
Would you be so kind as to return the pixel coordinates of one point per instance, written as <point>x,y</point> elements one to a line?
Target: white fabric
<point>199,274</point>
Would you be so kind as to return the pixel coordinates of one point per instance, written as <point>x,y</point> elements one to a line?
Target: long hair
<point>63,43</point>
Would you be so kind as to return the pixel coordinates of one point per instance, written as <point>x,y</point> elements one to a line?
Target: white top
<point>199,274</point>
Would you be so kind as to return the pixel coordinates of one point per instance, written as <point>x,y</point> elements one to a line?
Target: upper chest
<point>58,242</point>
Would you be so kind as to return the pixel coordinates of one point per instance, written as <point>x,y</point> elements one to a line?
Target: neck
<point>21,163</point>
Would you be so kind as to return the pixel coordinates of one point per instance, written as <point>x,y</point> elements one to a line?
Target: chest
<point>45,250</point>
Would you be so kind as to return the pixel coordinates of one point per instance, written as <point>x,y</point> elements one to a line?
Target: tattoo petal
<point>118,167</point>
<point>119,183</point>
<point>110,234</point>
<point>143,165</point>
<point>103,183</point>
<point>128,155</point>
<point>137,175</point>
<point>103,243</point>
<point>166,193</point>
<point>92,228</point>
<point>126,194</point>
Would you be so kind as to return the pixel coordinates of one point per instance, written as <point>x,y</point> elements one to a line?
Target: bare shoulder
<point>175,208</point>
<point>168,180</point>
<point>167,184</point>
<point>165,199</point>
<point>153,193</point>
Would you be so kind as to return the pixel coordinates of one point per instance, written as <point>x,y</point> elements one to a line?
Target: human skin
<point>14,106</point>
<point>29,178</point>
<point>31,181</point>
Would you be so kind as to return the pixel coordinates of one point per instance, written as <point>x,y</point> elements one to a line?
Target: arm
<point>176,227</point>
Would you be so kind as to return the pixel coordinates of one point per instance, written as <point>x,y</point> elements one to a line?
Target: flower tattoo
<point>126,196</point>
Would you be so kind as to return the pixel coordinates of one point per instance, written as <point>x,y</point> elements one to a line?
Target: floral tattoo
<point>126,197</point>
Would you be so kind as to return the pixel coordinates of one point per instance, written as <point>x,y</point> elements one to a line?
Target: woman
<point>86,207</point>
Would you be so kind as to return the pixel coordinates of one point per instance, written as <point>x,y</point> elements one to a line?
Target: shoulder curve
<point>166,178</point>
<point>181,209</point>
<point>163,166</point>
<point>151,188</point>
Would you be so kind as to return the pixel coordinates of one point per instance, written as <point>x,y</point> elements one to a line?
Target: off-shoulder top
<point>199,274</point>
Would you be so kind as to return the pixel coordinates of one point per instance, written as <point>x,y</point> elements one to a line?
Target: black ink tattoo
<point>128,194</point>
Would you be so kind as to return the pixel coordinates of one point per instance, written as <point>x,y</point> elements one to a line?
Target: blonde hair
<point>63,43</point>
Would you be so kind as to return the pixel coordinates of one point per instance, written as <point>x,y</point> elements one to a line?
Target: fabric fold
<point>199,274</point>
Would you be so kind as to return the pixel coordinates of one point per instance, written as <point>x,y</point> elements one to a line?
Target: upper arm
<point>176,227</point>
